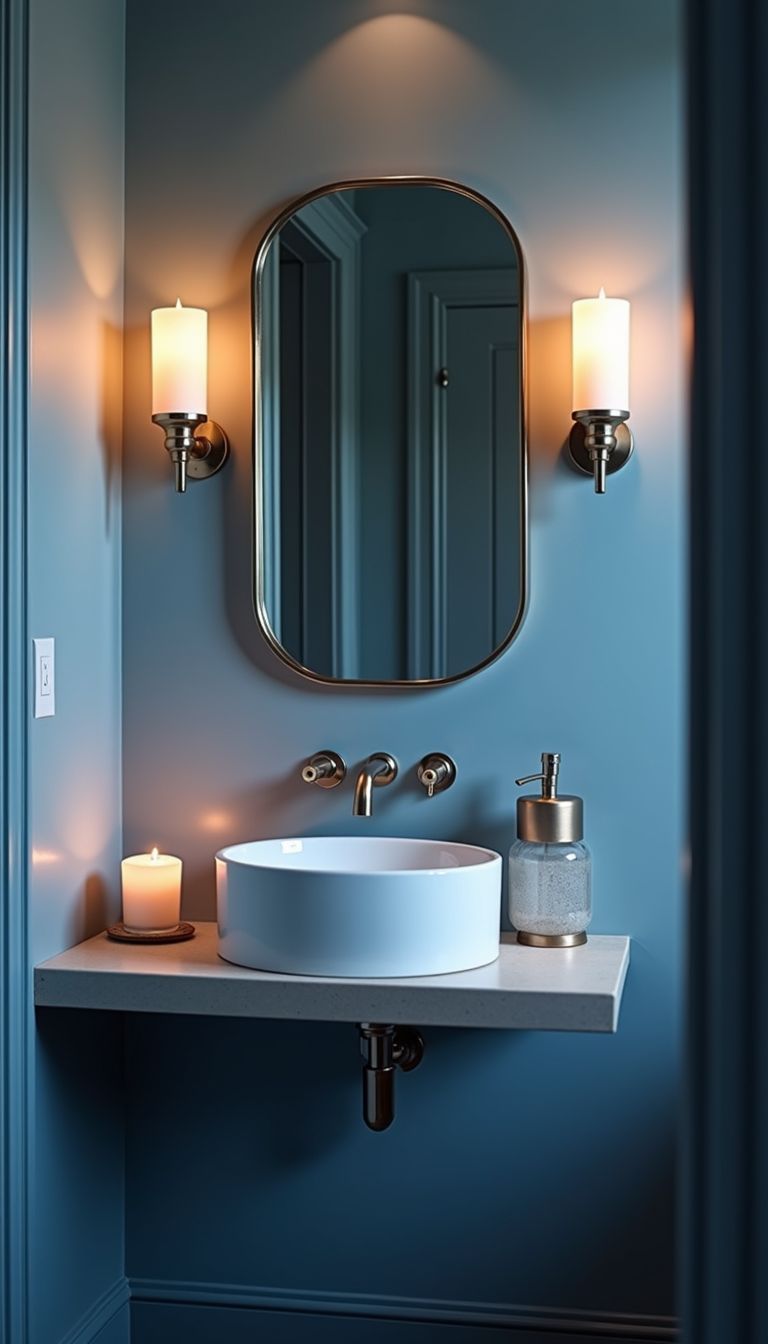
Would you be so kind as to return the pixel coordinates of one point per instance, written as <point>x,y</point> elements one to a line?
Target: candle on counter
<point>600,354</point>
<point>179,361</point>
<point>151,892</point>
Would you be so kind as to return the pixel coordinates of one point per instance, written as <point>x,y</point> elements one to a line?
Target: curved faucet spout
<point>363,804</point>
<point>378,770</point>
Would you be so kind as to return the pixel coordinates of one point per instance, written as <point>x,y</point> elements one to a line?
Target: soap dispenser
<point>550,867</point>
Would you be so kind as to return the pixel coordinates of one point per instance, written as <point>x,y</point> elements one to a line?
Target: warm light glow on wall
<point>41,858</point>
<point>215,821</point>
<point>399,72</point>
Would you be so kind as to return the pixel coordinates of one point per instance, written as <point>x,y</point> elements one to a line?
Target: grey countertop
<point>532,989</point>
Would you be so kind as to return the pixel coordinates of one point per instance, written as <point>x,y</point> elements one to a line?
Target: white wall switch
<point>45,702</point>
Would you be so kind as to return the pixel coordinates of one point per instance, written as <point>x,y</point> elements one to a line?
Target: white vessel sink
<point>358,907</point>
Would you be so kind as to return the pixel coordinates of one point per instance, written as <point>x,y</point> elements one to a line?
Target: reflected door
<point>464,570</point>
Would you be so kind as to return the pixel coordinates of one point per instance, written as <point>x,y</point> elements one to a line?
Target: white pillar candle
<point>151,892</point>
<point>179,360</point>
<point>600,354</point>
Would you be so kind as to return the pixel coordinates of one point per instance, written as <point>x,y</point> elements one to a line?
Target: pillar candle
<point>151,892</point>
<point>179,360</point>
<point>600,354</point>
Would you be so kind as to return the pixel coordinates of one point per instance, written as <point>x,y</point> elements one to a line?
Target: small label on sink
<point>292,846</point>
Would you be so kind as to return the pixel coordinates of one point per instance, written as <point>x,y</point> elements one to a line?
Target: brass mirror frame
<point>258,558</point>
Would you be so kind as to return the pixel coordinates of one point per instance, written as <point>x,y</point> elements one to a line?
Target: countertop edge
<point>188,992</point>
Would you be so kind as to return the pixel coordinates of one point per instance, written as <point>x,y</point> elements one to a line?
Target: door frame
<point>15,1003</point>
<point>331,227</point>
<point>725,1124</point>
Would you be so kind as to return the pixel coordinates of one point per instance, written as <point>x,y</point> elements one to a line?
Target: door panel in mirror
<point>390,453</point>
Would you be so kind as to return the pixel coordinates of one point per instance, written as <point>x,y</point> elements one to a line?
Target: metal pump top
<point>549,818</point>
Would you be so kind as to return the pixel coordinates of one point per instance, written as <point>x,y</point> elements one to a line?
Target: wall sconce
<point>600,441</point>
<point>198,447</point>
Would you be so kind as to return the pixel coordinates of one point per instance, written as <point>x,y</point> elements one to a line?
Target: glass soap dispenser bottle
<point>550,867</point>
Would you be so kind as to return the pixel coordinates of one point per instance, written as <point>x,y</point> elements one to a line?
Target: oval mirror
<point>390,448</point>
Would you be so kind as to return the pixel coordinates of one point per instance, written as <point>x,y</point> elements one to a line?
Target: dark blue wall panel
<point>726,1119</point>
<point>249,1164</point>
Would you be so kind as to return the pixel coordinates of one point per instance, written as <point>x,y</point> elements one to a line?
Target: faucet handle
<point>325,768</point>
<point>436,772</point>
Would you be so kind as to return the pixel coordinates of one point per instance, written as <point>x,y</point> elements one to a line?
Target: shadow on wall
<point>96,911</point>
<point>292,1132</point>
<point>549,392</point>
<point>111,415</point>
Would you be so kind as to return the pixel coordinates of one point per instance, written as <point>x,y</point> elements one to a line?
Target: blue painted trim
<point>15,995</point>
<point>726,1116</point>
<point>332,227</point>
<point>99,1314</point>
<point>601,1325</point>
<point>426,470</point>
<point>269,301</point>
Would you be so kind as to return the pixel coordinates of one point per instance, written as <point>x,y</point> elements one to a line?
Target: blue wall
<point>522,1168</point>
<point>76,90</point>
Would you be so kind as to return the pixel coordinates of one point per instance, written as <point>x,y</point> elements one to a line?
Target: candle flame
<point>601,295</point>
<point>154,855</point>
<point>178,303</point>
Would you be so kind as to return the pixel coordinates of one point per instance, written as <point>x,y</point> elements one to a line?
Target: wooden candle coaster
<point>178,934</point>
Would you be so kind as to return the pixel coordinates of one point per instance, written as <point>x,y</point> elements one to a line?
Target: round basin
<point>357,907</point>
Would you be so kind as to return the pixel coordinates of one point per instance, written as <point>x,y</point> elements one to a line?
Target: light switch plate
<point>45,667</point>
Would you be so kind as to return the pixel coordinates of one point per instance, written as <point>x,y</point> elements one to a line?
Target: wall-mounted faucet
<point>436,772</point>
<point>380,769</point>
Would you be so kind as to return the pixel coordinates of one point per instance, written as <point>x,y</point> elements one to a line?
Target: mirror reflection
<point>391,509</point>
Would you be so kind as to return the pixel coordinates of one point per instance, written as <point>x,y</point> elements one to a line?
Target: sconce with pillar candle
<point>197,446</point>
<point>600,442</point>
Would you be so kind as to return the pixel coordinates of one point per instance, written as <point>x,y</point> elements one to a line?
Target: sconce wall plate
<point>197,447</point>
<point>200,467</point>
<point>600,443</point>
